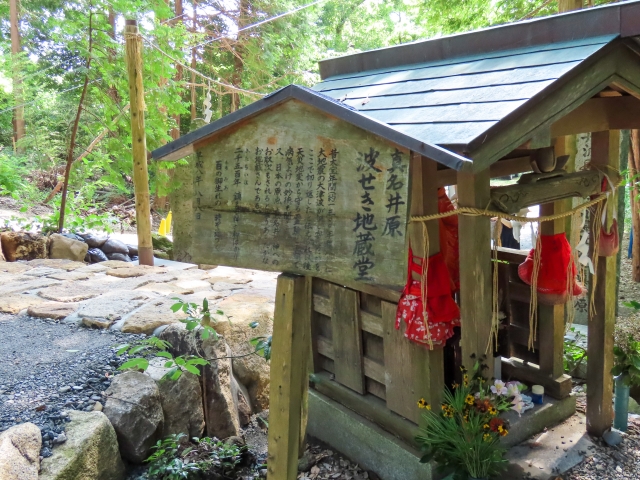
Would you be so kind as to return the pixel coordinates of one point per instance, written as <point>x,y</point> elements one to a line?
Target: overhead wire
<point>262,22</point>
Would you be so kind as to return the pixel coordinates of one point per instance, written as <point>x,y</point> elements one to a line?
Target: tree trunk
<point>238,59</point>
<point>569,5</point>
<point>634,168</point>
<point>193,67</point>
<point>18,113</point>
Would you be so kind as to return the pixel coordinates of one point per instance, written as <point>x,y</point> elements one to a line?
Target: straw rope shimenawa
<point>533,311</point>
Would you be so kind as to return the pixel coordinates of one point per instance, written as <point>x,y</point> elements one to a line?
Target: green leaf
<point>205,305</point>
<point>176,374</point>
<point>175,307</point>
<point>205,334</point>
<point>168,364</point>
<point>180,361</point>
<point>164,354</point>
<point>122,349</point>
<point>198,361</point>
<point>135,363</point>
<point>192,369</point>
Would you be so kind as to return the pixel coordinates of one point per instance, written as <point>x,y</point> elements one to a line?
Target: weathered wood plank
<point>598,115</point>
<point>291,331</point>
<point>322,305</point>
<point>347,338</point>
<point>372,369</point>
<point>515,369</point>
<point>605,151</point>
<point>512,198</point>
<point>315,196</point>
<point>371,323</point>
<point>369,407</point>
<point>412,371</point>
<point>476,269</point>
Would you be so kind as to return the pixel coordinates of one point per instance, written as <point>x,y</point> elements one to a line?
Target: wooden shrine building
<point>321,183</point>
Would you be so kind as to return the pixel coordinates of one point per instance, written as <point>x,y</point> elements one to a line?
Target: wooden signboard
<point>293,190</point>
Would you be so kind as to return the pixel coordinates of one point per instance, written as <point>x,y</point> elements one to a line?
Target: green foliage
<point>574,355</point>
<point>627,360</point>
<point>12,171</point>
<point>174,459</point>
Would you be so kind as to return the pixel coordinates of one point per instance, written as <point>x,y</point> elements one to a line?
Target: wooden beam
<point>600,114</point>
<point>139,141</point>
<point>512,198</point>
<point>516,369</point>
<point>501,168</point>
<point>605,151</point>
<point>289,376</point>
<point>475,268</point>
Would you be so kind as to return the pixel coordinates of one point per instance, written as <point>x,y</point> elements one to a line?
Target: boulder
<point>160,242</point>
<point>114,246</point>
<point>134,409</point>
<point>93,240</point>
<point>133,250</point>
<point>220,392</point>
<point>251,371</point>
<point>90,452</point>
<point>162,254</point>
<point>19,452</point>
<point>101,312</point>
<point>244,407</point>
<point>62,246</point>
<point>122,257</point>
<point>23,246</point>
<point>181,400</point>
<point>97,255</point>
<point>2,259</point>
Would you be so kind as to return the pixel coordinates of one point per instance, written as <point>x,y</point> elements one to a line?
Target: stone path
<point>118,295</point>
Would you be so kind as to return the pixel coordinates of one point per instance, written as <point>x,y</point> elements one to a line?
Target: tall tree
<point>18,117</point>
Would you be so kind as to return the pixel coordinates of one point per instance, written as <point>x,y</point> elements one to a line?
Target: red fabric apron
<point>442,311</point>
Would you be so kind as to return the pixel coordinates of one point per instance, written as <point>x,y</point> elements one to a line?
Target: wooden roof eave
<point>613,63</point>
<point>187,144</point>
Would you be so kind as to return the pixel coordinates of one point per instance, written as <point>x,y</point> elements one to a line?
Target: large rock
<point>134,409</point>
<point>220,393</point>
<point>152,316</point>
<point>122,257</point>
<point>181,400</point>
<point>23,246</point>
<point>19,452</point>
<point>67,248</point>
<point>77,291</point>
<point>114,246</point>
<point>90,452</point>
<point>251,371</point>
<point>2,259</point>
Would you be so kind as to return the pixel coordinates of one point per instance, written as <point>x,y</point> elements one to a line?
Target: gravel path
<point>48,367</point>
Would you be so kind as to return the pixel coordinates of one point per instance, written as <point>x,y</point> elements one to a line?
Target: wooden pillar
<point>604,151</point>
<point>551,317</point>
<point>417,371</point>
<point>139,141</point>
<point>475,268</point>
<point>289,375</point>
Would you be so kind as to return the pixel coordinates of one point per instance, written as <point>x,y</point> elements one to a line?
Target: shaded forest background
<point>225,54</point>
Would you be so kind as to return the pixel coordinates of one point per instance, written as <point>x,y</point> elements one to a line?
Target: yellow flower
<point>486,426</point>
<point>455,385</point>
<point>465,380</point>
<point>486,437</point>
<point>469,400</point>
<point>492,411</point>
<point>422,403</point>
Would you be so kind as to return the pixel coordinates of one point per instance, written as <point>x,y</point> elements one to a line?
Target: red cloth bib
<point>442,311</point>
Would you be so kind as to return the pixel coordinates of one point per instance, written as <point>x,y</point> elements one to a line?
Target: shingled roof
<point>469,94</point>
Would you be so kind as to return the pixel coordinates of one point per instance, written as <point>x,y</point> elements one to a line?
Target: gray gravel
<point>48,368</point>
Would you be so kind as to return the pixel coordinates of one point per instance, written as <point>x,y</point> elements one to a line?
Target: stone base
<point>363,442</point>
<point>535,421</point>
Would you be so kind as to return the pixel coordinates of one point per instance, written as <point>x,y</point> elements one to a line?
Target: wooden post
<point>605,150</point>
<point>634,169</point>
<point>289,375</point>
<point>475,268</point>
<point>551,317</point>
<point>139,141</point>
